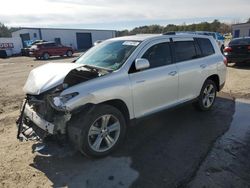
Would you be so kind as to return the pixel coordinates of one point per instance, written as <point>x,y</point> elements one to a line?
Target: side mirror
<point>141,64</point>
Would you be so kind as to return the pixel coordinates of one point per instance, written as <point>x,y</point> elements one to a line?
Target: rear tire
<point>99,132</point>
<point>207,96</point>
<point>69,53</point>
<point>46,56</point>
<point>222,49</point>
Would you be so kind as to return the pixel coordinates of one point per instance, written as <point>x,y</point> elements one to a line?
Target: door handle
<point>203,66</point>
<point>172,73</point>
<point>140,81</point>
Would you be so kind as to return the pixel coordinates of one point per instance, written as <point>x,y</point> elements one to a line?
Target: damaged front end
<point>39,119</point>
<point>46,113</point>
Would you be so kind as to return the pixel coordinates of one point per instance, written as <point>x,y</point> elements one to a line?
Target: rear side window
<point>184,50</point>
<point>158,55</point>
<point>205,46</point>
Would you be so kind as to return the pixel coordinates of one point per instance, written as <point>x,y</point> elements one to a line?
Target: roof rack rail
<point>170,33</point>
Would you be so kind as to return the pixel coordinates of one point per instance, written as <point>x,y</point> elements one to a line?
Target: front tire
<point>207,96</point>
<point>102,130</point>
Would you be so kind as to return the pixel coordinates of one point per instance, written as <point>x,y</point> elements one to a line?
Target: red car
<point>46,49</point>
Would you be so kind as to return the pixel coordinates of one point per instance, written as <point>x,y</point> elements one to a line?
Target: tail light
<point>228,49</point>
<point>248,47</point>
<point>225,61</point>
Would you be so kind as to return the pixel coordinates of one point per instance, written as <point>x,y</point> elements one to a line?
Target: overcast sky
<point>119,14</point>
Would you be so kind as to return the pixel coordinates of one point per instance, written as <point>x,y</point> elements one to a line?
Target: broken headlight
<point>62,87</point>
<point>59,101</point>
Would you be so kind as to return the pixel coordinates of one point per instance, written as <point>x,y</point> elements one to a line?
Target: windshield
<point>109,55</point>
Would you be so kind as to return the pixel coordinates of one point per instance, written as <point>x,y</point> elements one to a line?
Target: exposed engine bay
<point>80,75</point>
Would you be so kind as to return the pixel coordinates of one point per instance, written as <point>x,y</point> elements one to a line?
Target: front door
<point>155,88</point>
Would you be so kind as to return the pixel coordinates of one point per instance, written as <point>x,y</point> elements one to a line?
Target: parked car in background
<point>25,51</point>
<point>47,49</point>
<point>238,50</point>
<point>92,101</point>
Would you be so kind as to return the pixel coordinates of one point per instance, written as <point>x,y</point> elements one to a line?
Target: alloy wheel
<point>104,133</point>
<point>208,96</point>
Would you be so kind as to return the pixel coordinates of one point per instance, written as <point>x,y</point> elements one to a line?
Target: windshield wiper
<point>96,68</point>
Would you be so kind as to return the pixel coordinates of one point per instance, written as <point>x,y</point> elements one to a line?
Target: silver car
<point>92,101</point>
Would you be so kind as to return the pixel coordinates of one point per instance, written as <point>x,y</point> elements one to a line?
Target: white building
<point>78,39</point>
<point>241,30</point>
<point>11,45</point>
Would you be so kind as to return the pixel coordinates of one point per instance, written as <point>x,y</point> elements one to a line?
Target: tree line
<point>6,31</point>
<point>215,26</point>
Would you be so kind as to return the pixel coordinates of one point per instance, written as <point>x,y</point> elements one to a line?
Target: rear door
<point>61,50</point>
<point>190,66</point>
<point>51,48</point>
<point>156,87</point>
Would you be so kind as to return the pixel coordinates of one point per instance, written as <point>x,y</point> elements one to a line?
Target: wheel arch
<point>120,105</point>
<point>215,78</point>
<point>45,53</point>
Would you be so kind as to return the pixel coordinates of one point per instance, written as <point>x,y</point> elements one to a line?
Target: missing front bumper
<point>37,123</point>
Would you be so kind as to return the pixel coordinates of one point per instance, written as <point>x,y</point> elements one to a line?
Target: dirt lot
<point>19,167</point>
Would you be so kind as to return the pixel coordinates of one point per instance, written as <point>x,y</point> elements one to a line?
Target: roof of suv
<point>143,37</point>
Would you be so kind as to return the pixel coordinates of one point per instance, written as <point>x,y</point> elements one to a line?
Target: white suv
<point>91,102</point>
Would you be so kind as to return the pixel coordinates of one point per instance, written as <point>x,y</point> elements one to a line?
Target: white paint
<point>47,76</point>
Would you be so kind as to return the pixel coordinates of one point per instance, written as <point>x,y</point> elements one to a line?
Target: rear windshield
<point>243,41</point>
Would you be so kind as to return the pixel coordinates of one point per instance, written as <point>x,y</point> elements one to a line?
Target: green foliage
<point>4,31</point>
<point>215,26</point>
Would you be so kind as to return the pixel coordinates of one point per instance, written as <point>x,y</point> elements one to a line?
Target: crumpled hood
<point>47,76</point>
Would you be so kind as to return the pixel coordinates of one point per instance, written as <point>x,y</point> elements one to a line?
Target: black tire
<point>222,49</point>
<point>69,53</point>
<point>45,56</point>
<point>80,124</point>
<point>199,104</point>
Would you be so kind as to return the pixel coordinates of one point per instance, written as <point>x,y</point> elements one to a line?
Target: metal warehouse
<point>78,39</point>
<point>241,30</point>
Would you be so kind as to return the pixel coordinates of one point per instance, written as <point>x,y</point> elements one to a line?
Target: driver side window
<point>158,55</point>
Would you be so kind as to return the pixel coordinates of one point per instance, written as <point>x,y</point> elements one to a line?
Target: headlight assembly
<point>59,101</point>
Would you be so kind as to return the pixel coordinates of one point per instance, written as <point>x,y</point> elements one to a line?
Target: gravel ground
<point>170,156</point>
